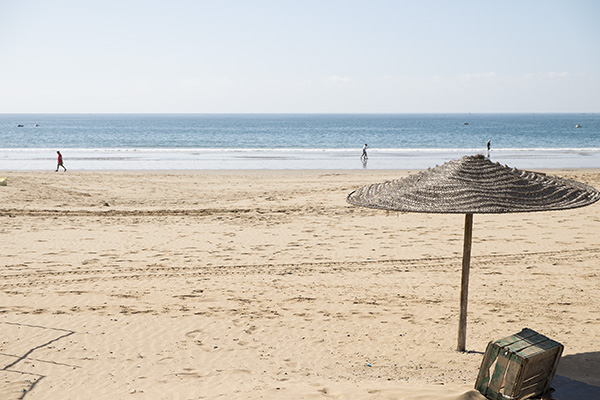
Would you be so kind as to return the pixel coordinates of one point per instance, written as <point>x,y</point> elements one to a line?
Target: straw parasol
<point>474,185</point>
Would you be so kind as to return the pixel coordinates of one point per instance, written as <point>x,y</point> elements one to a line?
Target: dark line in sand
<point>24,356</point>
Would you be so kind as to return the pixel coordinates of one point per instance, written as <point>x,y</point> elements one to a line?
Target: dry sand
<point>268,285</point>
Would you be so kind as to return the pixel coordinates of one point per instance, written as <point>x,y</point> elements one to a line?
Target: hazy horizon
<point>284,57</point>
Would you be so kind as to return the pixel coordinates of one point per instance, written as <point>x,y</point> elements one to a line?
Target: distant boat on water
<point>20,126</point>
<point>577,126</point>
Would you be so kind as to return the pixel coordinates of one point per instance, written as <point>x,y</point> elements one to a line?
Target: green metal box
<point>519,366</point>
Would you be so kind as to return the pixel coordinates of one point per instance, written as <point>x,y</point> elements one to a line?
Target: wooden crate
<point>519,366</point>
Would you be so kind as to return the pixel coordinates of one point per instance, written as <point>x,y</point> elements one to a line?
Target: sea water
<point>294,141</point>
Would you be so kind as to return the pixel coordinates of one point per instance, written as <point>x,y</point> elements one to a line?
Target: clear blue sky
<point>304,56</point>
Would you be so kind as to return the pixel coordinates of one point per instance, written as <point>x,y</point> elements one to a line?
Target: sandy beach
<point>268,285</point>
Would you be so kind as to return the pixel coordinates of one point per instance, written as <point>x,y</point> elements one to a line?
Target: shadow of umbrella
<point>577,377</point>
<point>474,185</point>
<point>572,389</point>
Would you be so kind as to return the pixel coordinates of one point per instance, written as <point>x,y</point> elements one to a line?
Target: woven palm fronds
<point>473,184</point>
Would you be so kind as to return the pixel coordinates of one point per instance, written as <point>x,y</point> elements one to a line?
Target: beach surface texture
<point>266,284</point>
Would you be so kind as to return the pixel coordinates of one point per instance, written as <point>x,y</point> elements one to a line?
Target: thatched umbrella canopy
<point>474,185</point>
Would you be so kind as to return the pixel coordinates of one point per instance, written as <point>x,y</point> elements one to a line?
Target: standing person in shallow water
<point>363,156</point>
<point>488,147</point>
<point>60,162</point>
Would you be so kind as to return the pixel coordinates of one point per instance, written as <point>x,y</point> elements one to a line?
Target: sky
<point>303,56</point>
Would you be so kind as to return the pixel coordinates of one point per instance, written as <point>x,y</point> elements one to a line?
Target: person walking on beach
<point>60,162</point>
<point>488,147</point>
<point>363,156</point>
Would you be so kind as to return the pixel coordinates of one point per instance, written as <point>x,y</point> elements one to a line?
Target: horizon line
<point>300,113</point>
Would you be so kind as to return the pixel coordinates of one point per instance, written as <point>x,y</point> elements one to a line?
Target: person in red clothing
<point>60,162</point>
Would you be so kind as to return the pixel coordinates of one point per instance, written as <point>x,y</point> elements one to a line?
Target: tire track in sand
<point>120,272</point>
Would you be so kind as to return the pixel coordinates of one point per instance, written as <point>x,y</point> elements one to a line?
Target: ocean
<point>294,141</point>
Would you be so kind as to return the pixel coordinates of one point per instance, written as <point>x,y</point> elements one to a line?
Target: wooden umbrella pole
<point>464,285</point>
